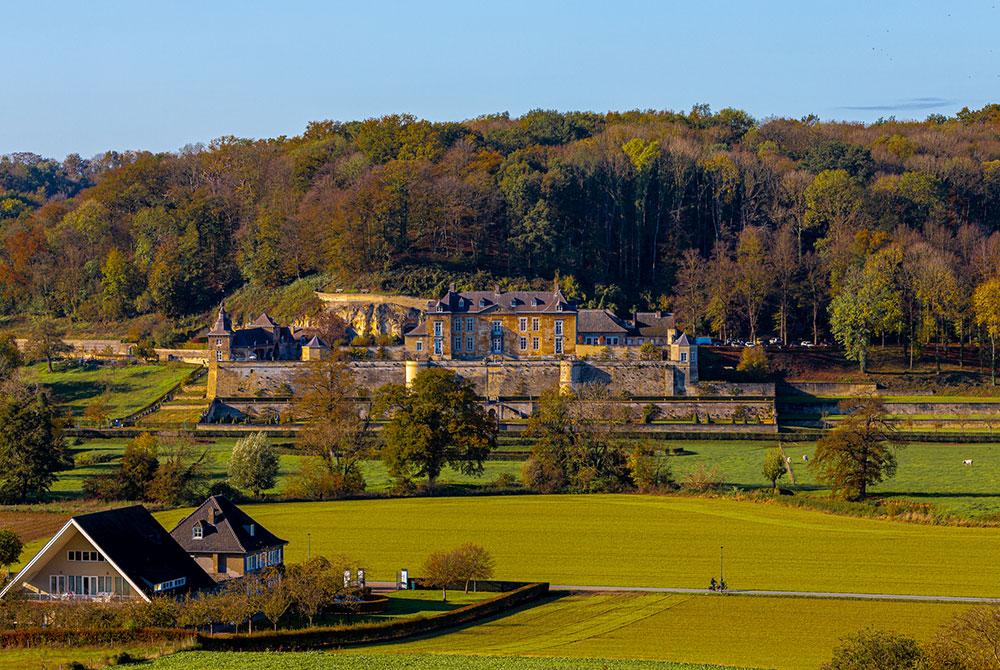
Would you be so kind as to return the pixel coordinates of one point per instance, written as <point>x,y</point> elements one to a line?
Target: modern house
<point>225,542</point>
<point>119,554</point>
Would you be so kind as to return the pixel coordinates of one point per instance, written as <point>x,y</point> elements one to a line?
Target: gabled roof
<point>419,329</point>
<point>264,321</point>
<point>225,529</point>
<point>683,340</point>
<point>316,342</point>
<point>599,321</point>
<point>135,544</point>
<point>654,324</point>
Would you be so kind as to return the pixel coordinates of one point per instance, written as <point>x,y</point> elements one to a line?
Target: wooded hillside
<point>738,225</point>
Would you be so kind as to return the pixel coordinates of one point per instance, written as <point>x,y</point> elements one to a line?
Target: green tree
<point>753,364</point>
<point>833,201</point>
<point>986,304</point>
<point>32,448</point>
<point>870,649</point>
<point>314,584</point>
<point>859,452</point>
<point>253,465</point>
<point>11,547</point>
<point>120,285</point>
<point>868,303</point>
<point>436,421</point>
<point>774,466</point>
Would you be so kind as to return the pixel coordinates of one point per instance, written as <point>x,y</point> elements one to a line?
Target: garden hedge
<point>383,631</point>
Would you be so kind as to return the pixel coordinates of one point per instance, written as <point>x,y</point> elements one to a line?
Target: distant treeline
<point>739,225</point>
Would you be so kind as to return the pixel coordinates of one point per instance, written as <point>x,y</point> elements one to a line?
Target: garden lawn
<point>129,387</point>
<point>638,540</point>
<point>316,660</point>
<point>785,633</point>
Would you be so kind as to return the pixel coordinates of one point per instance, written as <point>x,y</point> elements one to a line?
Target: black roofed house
<point>226,542</point>
<point>262,340</point>
<point>119,554</point>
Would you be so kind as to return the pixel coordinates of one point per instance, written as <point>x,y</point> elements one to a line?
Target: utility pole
<point>722,579</point>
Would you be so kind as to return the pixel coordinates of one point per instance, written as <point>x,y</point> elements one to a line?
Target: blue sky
<point>88,76</point>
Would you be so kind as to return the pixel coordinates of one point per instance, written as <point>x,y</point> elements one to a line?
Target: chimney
<point>451,287</point>
<point>496,289</point>
<point>216,515</point>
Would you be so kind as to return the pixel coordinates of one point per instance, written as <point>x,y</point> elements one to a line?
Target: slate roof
<point>472,302</point>
<point>223,324</point>
<point>264,321</point>
<point>653,324</point>
<point>419,329</point>
<point>316,342</point>
<point>133,540</point>
<point>225,530</point>
<point>599,321</point>
<point>683,340</point>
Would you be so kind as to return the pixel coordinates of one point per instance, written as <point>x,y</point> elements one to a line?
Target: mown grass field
<point>638,540</point>
<point>366,661</point>
<point>786,633</point>
<point>928,472</point>
<point>129,387</point>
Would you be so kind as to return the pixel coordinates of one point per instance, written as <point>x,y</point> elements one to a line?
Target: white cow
<point>967,461</point>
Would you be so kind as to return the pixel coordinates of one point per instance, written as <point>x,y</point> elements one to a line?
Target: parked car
<point>807,343</point>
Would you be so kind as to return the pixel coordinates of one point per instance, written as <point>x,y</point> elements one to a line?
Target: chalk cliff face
<point>371,318</point>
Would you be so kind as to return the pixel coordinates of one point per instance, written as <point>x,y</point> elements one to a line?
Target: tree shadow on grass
<point>549,598</point>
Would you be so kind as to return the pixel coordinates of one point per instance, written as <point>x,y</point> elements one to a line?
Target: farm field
<point>316,660</point>
<point>784,633</point>
<point>129,387</point>
<point>639,540</point>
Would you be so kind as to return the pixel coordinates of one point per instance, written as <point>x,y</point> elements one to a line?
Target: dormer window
<point>559,307</point>
<point>482,302</point>
<point>535,301</point>
<point>197,532</point>
<point>440,307</point>
<point>250,529</point>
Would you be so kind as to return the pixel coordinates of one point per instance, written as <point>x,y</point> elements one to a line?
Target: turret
<point>220,338</point>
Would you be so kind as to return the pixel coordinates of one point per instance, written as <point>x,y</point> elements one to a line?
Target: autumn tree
<point>45,341</point>
<point>859,451</point>
<point>337,425</point>
<point>11,547</point>
<point>986,303</point>
<point>754,276</point>
<point>435,421</point>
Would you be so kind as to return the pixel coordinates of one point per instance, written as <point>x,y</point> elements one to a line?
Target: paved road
<point>791,594</point>
<point>391,586</point>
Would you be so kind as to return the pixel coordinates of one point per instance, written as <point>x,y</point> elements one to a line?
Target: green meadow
<point>640,540</point>
<point>128,388</point>
<point>931,473</point>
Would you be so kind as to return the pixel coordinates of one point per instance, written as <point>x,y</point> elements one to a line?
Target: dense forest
<point>741,226</point>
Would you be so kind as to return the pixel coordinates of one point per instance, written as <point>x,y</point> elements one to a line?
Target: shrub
<point>314,481</point>
<point>871,648</point>
<point>542,477</point>
<point>702,479</point>
<point>650,413</point>
<point>650,474</point>
<point>504,481</point>
<point>753,365</point>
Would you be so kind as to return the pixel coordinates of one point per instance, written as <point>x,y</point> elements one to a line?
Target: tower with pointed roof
<point>220,337</point>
